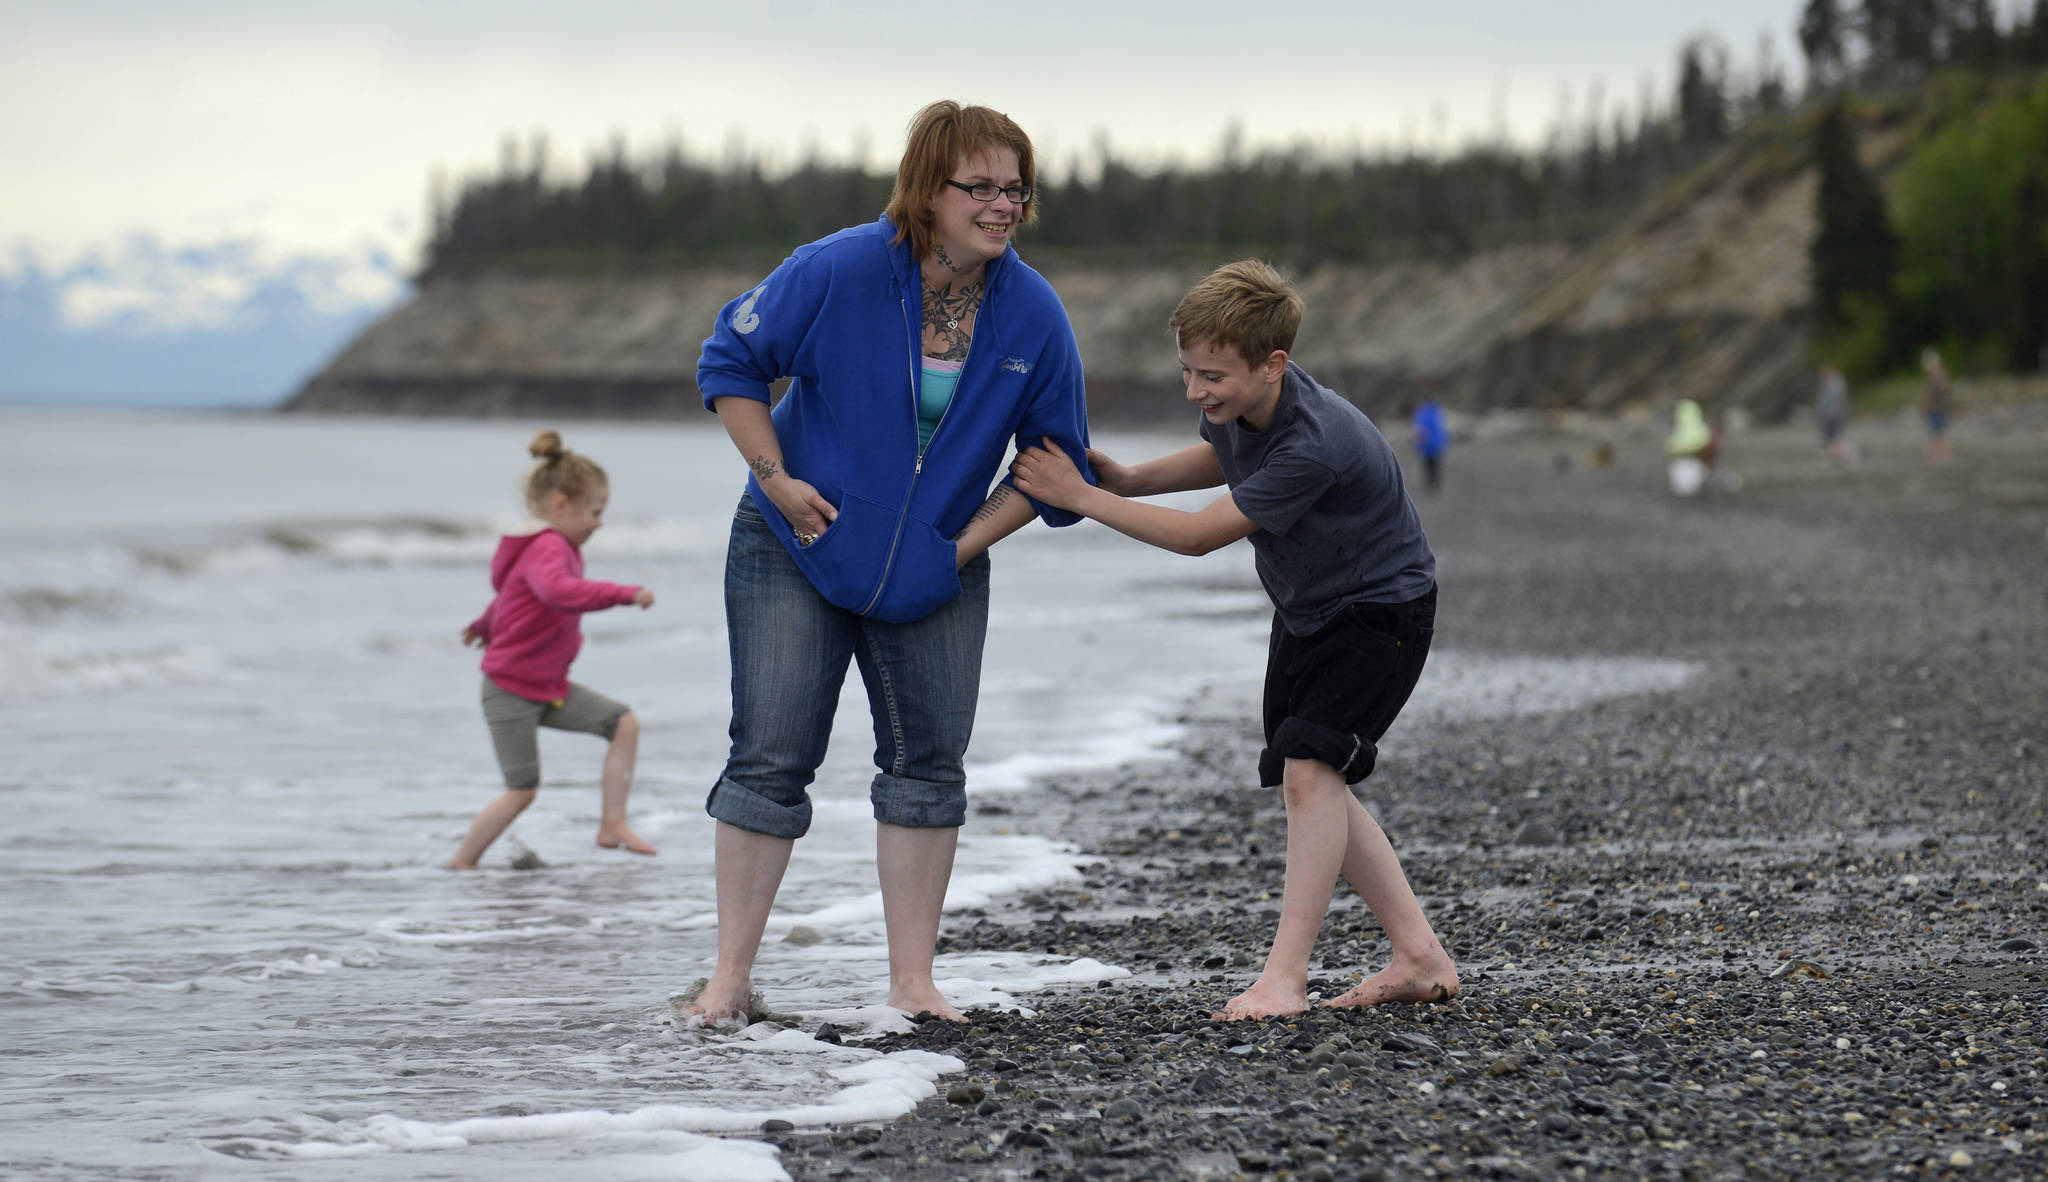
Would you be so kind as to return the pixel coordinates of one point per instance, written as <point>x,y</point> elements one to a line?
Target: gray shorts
<point>515,724</point>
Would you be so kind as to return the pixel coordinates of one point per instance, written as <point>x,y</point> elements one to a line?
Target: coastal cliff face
<point>1702,294</point>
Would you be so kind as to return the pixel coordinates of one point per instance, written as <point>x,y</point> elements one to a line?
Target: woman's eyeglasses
<point>1018,194</point>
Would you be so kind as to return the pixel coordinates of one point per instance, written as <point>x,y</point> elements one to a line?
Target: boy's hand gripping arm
<point>753,432</point>
<point>1047,474</point>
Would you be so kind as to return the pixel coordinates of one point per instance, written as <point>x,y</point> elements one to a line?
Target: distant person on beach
<point>1432,440</point>
<point>919,347</point>
<point>1832,404</point>
<point>531,633</point>
<point>1690,449</point>
<point>1937,403</point>
<point>1342,555</point>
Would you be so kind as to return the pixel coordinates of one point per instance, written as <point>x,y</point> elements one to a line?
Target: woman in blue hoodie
<point>918,347</point>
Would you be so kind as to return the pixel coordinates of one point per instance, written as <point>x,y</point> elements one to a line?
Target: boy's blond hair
<point>1245,305</point>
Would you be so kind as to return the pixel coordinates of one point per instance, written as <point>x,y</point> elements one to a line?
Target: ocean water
<point>242,737</point>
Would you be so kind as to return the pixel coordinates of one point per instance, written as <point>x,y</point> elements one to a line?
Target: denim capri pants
<point>790,648</point>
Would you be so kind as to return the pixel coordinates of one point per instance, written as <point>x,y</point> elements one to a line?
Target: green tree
<point>1902,34</point>
<point>1973,214</point>
<point>1854,251</point>
<point>1824,39</point>
<point>1703,91</point>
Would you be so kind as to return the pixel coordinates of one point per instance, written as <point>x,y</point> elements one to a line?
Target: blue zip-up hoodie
<point>842,317</point>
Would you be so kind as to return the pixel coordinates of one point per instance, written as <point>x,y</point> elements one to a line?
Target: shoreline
<point>1786,920</point>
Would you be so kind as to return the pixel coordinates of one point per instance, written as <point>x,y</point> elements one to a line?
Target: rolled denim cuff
<point>744,808</point>
<point>918,804</point>
<point>1296,738</point>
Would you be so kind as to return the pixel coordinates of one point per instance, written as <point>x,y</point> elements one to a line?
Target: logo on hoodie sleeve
<point>744,318</point>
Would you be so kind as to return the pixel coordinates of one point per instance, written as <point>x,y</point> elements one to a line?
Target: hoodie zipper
<point>917,469</point>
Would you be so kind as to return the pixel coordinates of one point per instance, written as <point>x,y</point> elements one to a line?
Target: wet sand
<point>1786,921</point>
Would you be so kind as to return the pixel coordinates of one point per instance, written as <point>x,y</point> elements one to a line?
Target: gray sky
<point>311,129</point>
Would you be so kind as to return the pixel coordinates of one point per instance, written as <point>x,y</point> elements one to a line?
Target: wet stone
<point>1126,1110</point>
<point>1409,1042</point>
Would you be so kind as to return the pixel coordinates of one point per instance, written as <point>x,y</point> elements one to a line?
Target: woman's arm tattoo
<point>996,500</point>
<point>764,468</point>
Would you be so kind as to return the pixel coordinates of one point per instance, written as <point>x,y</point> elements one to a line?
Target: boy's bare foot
<point>927,1000</point>
<point>461,865</point>
<point>611,837</point>
<point>1263,1001</point>
<point>1433,982</point>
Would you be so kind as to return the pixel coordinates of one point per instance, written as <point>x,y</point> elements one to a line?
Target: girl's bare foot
<point>926,1000</point>
<point>1264,1000</point>
<point>1436,980</point>
<point>612,837</point>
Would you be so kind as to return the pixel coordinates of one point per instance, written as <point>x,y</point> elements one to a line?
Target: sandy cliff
<point>1702,294</point>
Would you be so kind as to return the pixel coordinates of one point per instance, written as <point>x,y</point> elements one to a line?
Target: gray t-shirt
<point>1336,526</point>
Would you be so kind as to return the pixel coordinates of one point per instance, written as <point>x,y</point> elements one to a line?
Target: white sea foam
<point>35,671</point>
<point>872,1086</point>
<point>1127,736</point>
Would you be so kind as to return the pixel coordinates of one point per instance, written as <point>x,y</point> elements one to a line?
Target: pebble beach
<point>1787,920</point>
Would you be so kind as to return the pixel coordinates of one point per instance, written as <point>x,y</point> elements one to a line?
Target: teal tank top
<point>935,393</point>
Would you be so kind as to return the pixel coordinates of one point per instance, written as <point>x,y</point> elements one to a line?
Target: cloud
<point>142,287</point>
<point>236,320</point>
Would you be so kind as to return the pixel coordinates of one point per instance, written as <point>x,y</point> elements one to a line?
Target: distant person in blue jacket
<point>919,346</point>
<point>1432,440</point>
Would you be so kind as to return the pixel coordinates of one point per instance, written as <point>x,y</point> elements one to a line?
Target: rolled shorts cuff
<point>743,808</point>
<point>1297,738</point>
<point>918,804</point>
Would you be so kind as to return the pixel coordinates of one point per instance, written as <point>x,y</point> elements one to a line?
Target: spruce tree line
<point>1296,203</point>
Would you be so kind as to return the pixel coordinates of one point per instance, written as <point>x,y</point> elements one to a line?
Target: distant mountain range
<point>231,323</point>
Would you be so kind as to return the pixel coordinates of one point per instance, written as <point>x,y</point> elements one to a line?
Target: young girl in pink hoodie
<point>531,632</point>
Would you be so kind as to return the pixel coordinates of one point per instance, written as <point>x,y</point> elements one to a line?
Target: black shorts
<point>1330,695</point>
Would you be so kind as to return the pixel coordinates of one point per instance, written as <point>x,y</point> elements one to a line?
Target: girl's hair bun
<point>546,445</point>
<point>560,470</point>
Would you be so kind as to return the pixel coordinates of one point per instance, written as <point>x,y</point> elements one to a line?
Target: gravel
<point>1783,922</point>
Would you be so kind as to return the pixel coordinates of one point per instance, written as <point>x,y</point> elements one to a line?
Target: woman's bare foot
<point>612,837</point>
<point>1264,1000</point>
<point>926,1000</point>
<point>1433,981</point>
<point>716,1001</point>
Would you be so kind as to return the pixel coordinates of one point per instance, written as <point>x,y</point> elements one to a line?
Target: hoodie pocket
<point>850,560</point>
<point>925,576</point>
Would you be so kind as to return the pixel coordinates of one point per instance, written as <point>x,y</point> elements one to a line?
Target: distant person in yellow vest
<point>1691,448</point>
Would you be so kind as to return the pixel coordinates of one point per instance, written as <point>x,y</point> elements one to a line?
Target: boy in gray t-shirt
<point>1342,555</point>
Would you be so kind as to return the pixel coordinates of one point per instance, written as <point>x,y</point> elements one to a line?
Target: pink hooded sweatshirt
<point>534,628</point>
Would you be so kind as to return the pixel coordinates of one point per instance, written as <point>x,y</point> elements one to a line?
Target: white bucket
<point>1688,474</point>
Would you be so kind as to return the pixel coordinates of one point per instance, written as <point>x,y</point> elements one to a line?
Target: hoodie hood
<point>510,547</point>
